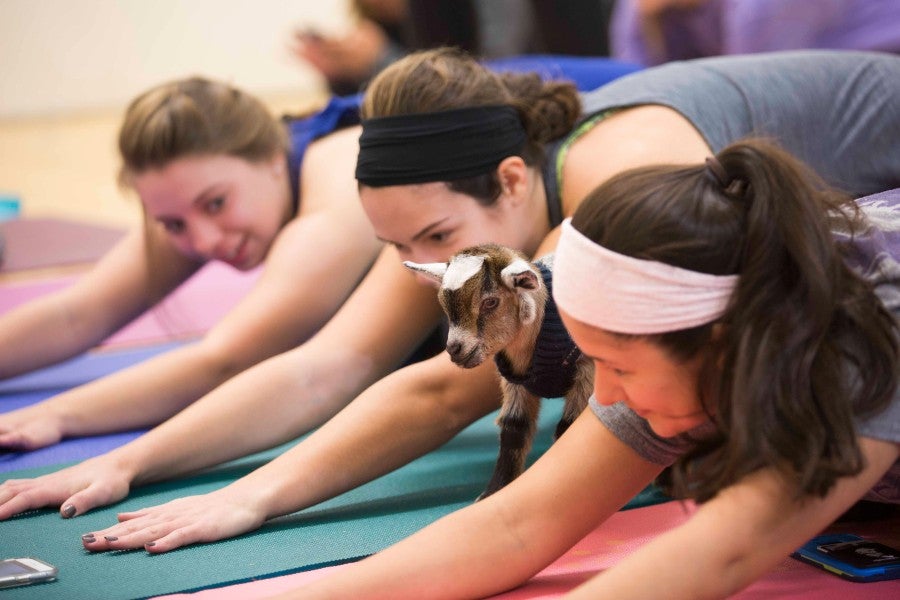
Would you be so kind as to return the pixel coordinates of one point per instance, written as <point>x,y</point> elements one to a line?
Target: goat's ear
<point>520,274</point>
<point>433,271</point>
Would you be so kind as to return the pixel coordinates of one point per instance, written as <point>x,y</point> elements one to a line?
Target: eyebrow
<point>425,231</point>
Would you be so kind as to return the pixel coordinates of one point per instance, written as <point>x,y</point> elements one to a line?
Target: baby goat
<point>499,305</point>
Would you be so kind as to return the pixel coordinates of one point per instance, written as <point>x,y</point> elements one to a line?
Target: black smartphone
<point>22,571</point>
<point>851,557</point>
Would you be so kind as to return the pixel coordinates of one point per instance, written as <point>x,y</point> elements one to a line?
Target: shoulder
<point>630,138</point>
<point>327,175</point>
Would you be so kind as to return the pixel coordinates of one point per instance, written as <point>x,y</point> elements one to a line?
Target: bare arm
<point>579,482</point>
<point>281,398</point>
<point>417,409</point>
<point>735,538</point>
<point>63,324</point>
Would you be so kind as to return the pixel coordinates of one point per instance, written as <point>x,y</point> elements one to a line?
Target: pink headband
<point>622,294</point>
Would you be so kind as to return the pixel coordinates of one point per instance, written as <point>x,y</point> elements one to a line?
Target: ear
<point>433,271</point>
<point>520,274</point>
<point>512,173</point>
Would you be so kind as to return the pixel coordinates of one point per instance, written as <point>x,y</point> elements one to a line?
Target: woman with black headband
<point>431,182</point>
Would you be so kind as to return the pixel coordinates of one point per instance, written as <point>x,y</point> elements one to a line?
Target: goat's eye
<point>490,303</point>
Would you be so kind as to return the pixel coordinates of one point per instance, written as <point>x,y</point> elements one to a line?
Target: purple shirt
<point>720,27</point>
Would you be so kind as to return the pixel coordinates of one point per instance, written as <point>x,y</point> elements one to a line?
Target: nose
<point>205,237</point>
<point>453,349</point>
<point>605,392</point>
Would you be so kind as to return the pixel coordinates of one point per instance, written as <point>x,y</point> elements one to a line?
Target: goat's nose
<point>454,348</point>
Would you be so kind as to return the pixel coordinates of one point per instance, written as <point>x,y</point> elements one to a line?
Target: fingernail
<point>110,538</point>
<point>148,544</point>
<point>69,511</point>
<point>88,537</point>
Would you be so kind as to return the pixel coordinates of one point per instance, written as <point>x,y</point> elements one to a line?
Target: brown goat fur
<point>496,301</point>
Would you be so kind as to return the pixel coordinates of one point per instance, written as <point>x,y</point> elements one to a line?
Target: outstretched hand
<point>75,490</point>
<point>207,518</point>
<point>29,429</point>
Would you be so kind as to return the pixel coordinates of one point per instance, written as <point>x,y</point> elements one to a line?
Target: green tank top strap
<point>573,137</point>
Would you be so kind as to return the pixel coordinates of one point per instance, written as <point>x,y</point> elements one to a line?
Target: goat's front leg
<point>517,421</point>
<point>577,396</point>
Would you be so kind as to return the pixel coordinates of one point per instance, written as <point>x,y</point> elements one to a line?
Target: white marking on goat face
<point>461,269</point>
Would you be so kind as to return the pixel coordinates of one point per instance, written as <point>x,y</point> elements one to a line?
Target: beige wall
<point>68,67</point>
<point>59,55</point>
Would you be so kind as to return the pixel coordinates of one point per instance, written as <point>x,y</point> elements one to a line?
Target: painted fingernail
<point>110,538</point>
<point>68,511</point>
<point>149,544</point>
<point>89,537</point>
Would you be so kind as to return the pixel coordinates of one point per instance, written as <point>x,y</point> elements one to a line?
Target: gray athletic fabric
<point>839,111</point>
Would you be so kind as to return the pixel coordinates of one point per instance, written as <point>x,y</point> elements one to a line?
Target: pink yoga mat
<point>620,535</point>
<point>188,312</point>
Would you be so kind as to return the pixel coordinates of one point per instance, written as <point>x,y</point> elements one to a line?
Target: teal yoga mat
<point>346,528</point>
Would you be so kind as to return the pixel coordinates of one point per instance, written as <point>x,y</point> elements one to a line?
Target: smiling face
<point>643,376</point>
<point>218,207</point>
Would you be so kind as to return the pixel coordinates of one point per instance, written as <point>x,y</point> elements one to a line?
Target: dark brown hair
<point>805,345</point>
<point>447,78</point>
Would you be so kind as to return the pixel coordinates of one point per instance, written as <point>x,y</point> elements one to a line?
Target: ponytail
<point>807,345</point>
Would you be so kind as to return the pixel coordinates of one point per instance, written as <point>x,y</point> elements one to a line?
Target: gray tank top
<point>839,111</point>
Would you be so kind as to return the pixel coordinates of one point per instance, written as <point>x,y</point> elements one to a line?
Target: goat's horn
<point>433,271</point>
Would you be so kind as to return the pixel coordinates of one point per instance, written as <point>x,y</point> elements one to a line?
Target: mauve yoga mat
<point>620,535</point>
<point>346,528</point>
<point>188,311</point>
<point>38,243</point>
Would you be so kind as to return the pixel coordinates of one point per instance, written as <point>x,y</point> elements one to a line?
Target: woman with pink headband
<point>743,321</point>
